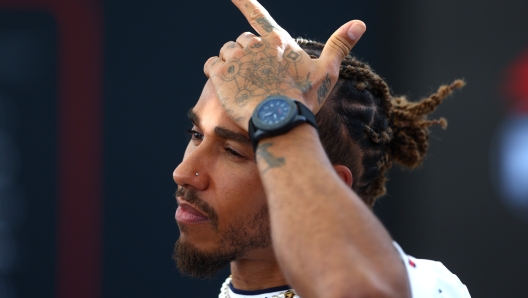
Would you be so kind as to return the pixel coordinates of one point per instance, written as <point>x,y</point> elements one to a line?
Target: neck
<point>258,271</point>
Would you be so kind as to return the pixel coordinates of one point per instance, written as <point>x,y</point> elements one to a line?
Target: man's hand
<point>255,67</point>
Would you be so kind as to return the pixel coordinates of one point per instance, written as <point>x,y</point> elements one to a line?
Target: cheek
<point>241,193</point>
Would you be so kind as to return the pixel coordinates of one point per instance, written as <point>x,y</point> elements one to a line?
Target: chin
<point>199,239</point>
<point>199,263</point>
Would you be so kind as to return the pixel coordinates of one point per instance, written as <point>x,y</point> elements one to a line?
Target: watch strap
<point>307,114</point>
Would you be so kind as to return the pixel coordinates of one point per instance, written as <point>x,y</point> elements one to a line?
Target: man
<point>285,198</point>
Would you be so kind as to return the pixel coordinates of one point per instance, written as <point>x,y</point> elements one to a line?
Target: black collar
<point>258,292</point>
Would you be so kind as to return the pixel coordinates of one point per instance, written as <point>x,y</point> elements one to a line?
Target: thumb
<point>341,42</point>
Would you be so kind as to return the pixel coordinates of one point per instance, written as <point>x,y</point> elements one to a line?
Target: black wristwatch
<point>277,115</point>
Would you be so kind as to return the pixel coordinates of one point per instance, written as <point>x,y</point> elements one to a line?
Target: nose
<point>191,172</point>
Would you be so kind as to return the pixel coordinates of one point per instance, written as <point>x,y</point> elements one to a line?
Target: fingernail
<point>356,30</point>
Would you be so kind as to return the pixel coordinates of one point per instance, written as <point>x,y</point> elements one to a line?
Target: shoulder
<point>432,279</point>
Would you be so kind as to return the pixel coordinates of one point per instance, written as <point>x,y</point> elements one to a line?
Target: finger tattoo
<point>265,24</point>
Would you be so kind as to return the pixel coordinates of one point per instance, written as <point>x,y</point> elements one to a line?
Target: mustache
<point>191,196</point>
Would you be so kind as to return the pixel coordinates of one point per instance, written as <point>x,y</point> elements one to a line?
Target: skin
<point>230,184</point>
<point>254,67</point>
<point>325,239</point>
<point>220,171</point>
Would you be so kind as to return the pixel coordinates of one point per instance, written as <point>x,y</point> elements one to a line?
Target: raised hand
<point>255,67</point>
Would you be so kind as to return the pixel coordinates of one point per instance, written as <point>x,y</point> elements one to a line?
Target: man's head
<point>222,211</point>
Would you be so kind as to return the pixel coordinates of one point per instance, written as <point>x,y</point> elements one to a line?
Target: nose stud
<point>196,173</point>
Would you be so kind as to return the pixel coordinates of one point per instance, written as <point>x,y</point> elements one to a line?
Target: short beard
<point>243,236</point>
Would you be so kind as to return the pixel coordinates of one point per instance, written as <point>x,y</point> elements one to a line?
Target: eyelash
<point>193,134</point>
<point>233,152</point>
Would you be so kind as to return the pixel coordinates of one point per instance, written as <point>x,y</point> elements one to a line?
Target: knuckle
<point>257,13</point>
<point>254,40</point>
<point>210,62</point>
<point>206,68</point>
<point>227,47</point>
<point>238,52</point>
<point>341,45</point>
<point>245,35</point>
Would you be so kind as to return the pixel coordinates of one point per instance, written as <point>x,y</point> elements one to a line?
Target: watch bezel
<point>272,127</point>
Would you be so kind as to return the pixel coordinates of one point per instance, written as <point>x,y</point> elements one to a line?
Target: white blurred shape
<point>513,163</point>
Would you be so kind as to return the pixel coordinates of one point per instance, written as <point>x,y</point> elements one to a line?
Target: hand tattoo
<point>324,90</point>
<point>259,74</point>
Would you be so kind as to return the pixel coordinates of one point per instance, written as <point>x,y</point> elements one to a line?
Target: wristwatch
<point>277,115</point>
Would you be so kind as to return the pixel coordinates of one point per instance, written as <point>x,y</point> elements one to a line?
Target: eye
<point>233,152</point>
<point>195,136</point>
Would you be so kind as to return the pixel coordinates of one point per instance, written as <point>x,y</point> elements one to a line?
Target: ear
<point>345,174</point>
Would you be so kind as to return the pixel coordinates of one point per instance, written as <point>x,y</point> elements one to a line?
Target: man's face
<point>222,213</point>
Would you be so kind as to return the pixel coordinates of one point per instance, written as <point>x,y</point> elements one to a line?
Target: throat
<point>253,275</point>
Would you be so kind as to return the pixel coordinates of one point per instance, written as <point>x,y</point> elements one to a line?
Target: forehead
<point>210,111</point>
<point>207,98</point>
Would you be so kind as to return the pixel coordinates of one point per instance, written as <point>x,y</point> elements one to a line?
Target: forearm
<point>325,238</point>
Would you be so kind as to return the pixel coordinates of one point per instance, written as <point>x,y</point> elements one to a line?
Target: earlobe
<point>345,174</point>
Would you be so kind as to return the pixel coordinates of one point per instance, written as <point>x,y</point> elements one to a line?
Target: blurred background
<point>93,101</point>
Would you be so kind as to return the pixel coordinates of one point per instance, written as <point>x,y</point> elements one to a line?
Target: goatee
<point>195,263</point>
<point>241,236</point>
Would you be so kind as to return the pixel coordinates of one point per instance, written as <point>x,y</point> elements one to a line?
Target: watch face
<point>274,111</point>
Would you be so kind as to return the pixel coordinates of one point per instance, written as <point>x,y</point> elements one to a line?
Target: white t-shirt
<point>428,279</point>
<point>431,279</point>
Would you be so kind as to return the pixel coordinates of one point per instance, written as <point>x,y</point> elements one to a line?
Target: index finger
<point>257,16</point>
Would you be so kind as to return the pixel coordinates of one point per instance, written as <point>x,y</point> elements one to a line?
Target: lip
<point>187,214</point>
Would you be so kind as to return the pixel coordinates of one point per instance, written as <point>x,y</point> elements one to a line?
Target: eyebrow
<point>232,135</point>
<point>193,117</point>
<point>222,132</point>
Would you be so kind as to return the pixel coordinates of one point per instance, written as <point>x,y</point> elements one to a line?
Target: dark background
<point>151,74</point>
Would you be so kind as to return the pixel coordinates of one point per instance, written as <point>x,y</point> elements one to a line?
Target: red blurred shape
<point>412,263</point>
<point>516,83</point>
<point>80,89</point>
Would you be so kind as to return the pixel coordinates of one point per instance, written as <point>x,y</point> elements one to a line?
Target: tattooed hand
<point>255,67</point>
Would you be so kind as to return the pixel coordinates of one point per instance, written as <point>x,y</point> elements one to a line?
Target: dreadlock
<point>365,128</point>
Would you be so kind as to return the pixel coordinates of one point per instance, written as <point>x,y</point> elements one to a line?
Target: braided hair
<point>365,128</point>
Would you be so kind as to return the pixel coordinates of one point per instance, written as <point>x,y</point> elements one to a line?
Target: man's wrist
<point>277,115</point>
